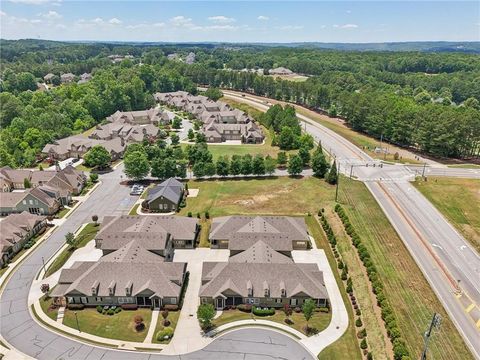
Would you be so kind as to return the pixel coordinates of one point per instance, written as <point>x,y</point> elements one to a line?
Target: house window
<point>30,201</point>
<point>278,301</point>
<point>24,202</point>
<point>84,300</point>
<point>98,299</point>
<point>173,301</point>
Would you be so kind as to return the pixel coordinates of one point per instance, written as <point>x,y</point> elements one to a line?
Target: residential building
<point>77,146</point>
<point>48,78</point>
<point>158,234</point>
<point>238,233</point>
<point>130,275</point>
<point>190,59</point>
<point>281,71</point>
<point>153,116</point>
<point>274,285</point>
<point>84,78</point>
<point>165,197</point>
<point>67,78</point>
<point>38,201</point>
<point>16,230</point>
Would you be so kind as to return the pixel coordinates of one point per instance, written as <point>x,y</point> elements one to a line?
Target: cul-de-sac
<point>236,184</point>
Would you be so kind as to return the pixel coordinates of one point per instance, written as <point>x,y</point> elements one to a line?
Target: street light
<point>76,318</point>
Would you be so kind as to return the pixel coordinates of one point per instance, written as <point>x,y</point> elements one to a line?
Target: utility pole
<point>338,180</point>
<point>435,323</point>
<point>424,166</point>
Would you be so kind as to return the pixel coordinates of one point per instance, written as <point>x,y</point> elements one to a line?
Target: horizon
<point>350,22</point>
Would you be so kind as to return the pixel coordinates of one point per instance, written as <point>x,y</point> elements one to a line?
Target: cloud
<point>346,26</point>
<point>221,19</point>
<point>263,18</point>
<point>36,2</point>
<point>348,11</point>
<point>3,13</point>
<point>290,27</point>
<point>114,21</point>
<point>51,15</point>
<point>160,24</point>
<point>181,21</point>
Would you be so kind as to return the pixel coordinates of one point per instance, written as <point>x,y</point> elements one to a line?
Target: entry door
<point>293,302</point>
<point>220,303</point>
<point>156,303</point>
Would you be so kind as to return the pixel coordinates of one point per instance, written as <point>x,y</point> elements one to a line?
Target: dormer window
<point>111,288</point>
<point>128,289</point>
<point>266,289</point>
<point>283,290</point>
<point>95,288</point>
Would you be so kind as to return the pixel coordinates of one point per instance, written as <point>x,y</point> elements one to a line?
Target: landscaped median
<point>166,324</point>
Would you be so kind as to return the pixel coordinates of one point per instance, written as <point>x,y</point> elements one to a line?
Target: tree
<point>26,183</point>
<point>205,315</point>
<point>45,289</point>
<point>191,135</point>
<point>95,219</point>
<point>222,166</point>
<point>247,164</point>
<point>319,164</point>
<point>258,165</point>
<point>170,168</point>
<point>213,93</point>
<point>282,158</point>
<point>176,123</point>
<point>308,309</point>
<point>182,170</point>
<point>270,165</point>
<point>93,177</point>
<point>136,164</point>
<point>295,165</point>
<point>97,157</point>
<point>332,176</point>
<point>304,154</point>
<point>70,239</point>
<point>236,165</point>
<point>287,310</point>
<point>287,139</point>
<point>175,139</point>
<point>199,169</point>
<point>200,138</point>
<point>210,169</point>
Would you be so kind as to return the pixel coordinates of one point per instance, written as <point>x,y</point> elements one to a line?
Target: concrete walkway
<point>153,325</point>
<point>339,322</point>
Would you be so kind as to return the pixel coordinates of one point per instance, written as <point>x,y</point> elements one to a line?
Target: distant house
<point>239,233</point>
<point>165,197</point>
<point>190,59</point>
<point>130,275</point>
<point>281,71</point>
<point>85,77</point>
<point>67,78</point>
<point>274,285</point>
<point>141,117</point>
<point>17,229</point>
<point>77,146</point>
<point>48,78</point>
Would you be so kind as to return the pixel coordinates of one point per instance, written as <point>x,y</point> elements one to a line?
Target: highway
<point>447,260</point>
<point>20,331</point>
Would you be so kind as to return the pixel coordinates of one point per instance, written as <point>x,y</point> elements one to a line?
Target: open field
<point>318,322</point>
<point>119,326</point>
<point>410,295</point>
<point>283,195</point>
<point>458,200</point>
<point>86,235</point>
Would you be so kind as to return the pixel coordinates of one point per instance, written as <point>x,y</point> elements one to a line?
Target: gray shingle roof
<point>260,252</point>
<point>171,189</point>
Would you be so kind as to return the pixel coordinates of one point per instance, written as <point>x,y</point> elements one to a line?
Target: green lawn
<point>173,318</point>
<point>410,295</point>
<point>458,200</point>
<point>119,326</point>
<point>63,212</point>
<point>205,230</point>
<point>319,320</point>
<point>465,166</point>
<point>283,195</point>
<point>87,234</point>
<point>46,303</point>
<point>133,210</point>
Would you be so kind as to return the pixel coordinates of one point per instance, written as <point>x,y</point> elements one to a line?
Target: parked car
<point>136,189</point>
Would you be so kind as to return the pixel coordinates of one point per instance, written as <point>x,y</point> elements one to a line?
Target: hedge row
<point>399,348</point>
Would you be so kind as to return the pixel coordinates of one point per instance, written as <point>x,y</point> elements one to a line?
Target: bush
<point>358,322</point>
<point>189,214</point>
<point>137,319</point>
<point>75,306</point>
<point>324,309</point>
<point>110,312</point>
<point>100,308</point>
<point>165,334</point>
<point>370,356</point>
<point>117,310</point>
<point>140,327</point>
<point>258,311</point>
<point>297,309</point>
<point>166,322</point>
<point>129,306</point>
<point>170,307</point>
<point>363,344</point>
<point>362,333</point>
<point>358,312</point>
<point>288,321</point>
<point>207,215</point>
<point>164,314</point>
<point>245,307</point>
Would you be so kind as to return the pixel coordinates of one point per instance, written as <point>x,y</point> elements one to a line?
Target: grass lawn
<point>465,166</point>
<point>319,320</point>
<point>205,230</point>
<point>347,346</point>
<point>173,317</point>
<point>86,235</point>
<point>83,167</point>
<point>87,188</point>
<point>408,292</point>
<point>133,210</point>
<point>283,195</point>
<point>119,326</point>
<point>458,200</point>
<point>63,212</point>
<point>45,303</point>
<point>378,341</point>
<point>88,132</point>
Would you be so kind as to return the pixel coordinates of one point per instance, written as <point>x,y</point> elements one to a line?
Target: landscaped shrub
<point>75,306</point>
<point>370,356</point>
<point>117,310</point>
<point>362,333</point>
<point>99,309</point>
<point>363,344</point>
<point>110,312</point>
<point>166,322</point>
<point>140,327</point>
<point>323,309</point>
<point>298,309</point>
<point>189,214</point>
<point>164,314</point>
<point>129,306</point>
<point>358,322</point>
<point>207,215</point>
<point>258,311</point>
<point>170,307</point>
<point>245,307</point>
<point>137,319</point>
<point>165,334</point>
<point>358,312</point>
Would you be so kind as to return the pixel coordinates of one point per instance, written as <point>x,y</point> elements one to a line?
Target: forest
<point>426,101</point>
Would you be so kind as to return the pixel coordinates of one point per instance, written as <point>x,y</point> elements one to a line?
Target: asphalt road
<point>22,332</point>
<point>447,260</point>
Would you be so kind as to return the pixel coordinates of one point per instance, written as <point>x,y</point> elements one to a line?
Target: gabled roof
<point>171,189</point>
<point>260,252</point>
<point>15,226</point>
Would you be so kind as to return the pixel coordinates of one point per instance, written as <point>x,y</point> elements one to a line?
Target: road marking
<point>437,246</point>
<point>478,324</point>
<point>470,307</point>
<point>463,247</point>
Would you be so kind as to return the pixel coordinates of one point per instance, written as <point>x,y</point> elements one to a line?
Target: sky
<point>241,21</point>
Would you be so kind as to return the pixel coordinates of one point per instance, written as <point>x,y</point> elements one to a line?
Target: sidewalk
<point>153,325</point>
